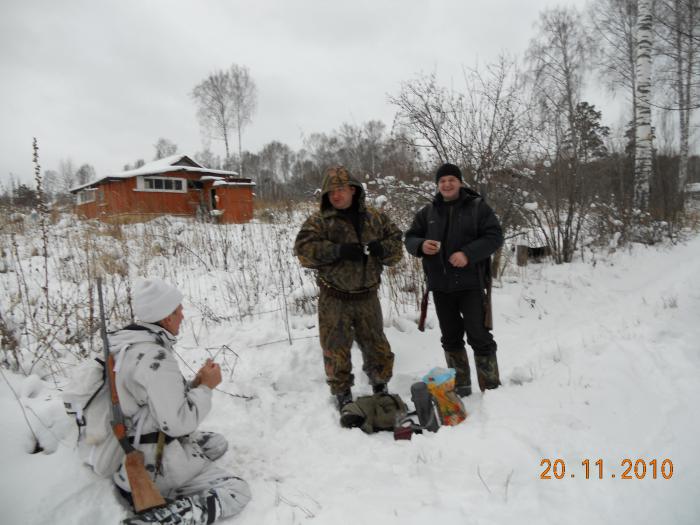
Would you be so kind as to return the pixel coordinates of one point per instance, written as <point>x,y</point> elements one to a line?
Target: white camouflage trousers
<point>211,495</point>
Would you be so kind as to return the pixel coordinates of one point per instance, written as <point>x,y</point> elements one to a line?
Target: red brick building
<point>175,185</point>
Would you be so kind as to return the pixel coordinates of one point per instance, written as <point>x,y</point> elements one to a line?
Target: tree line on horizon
<point>518,128</point>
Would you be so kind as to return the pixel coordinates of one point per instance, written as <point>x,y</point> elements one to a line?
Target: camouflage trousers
<point>340,321</point>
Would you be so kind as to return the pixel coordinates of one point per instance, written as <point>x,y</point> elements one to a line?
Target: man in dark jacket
<point>348,244</point>
<point>455,237</point>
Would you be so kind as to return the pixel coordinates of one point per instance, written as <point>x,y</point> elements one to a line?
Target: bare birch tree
<point>644,138</point>
<point>422,113</point>
<point>66,171</point>
<point>277,158</point>
<point>480,128</point>
<point>51,184</point>
<point>489,118</point>
<point>214,106</point>
<point>559,55</point>
<point>164,148</point>
<point>614,28</point>
<point>614,24</point>
<point>244,102</point>
<point>359,147</point>
<point>226,101</point>
<point>85,173</point>
<point>678,34</point>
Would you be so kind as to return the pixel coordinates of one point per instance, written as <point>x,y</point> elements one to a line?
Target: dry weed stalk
<point>43,219</point>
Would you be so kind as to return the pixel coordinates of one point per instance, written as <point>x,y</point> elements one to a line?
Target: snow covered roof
<point>530,237</point>
<point>228,184</point>
<point>177,162</point>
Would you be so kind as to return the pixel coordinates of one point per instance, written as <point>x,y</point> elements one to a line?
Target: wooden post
<point>521,255</point>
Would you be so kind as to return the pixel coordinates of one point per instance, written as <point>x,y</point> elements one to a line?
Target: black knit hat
<point>448,169</point>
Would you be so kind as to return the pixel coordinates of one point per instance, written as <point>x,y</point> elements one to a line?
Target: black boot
<point>460,362</point>
<point>188,510</point>
<point>380,388</point>
<point>463,390</point>
<point>343,399</point>
<point>487,371</point>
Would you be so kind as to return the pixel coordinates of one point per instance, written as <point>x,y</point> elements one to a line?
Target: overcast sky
<point>100,81</point>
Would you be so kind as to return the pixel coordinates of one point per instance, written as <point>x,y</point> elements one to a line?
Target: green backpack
<point>374,413</point>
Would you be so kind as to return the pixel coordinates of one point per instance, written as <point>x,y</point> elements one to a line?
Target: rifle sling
<point>152,438</point>
<point>159,453</point>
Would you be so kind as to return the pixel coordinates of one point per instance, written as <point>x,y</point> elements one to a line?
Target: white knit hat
<point>154,300</point>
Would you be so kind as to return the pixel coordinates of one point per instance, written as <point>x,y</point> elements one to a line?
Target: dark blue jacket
<point>469,225</point>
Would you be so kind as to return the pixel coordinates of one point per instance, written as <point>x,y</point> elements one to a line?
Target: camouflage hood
<point>336,177</point>
<point>318,242</point>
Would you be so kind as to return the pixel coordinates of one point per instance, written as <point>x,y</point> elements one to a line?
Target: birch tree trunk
<point>643,142</point>
<point>239,127</point>
<point>686,19</point>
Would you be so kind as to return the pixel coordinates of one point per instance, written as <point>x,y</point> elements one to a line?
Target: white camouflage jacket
<point>155,396</point>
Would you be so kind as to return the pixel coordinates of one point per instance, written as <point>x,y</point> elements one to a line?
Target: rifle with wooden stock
<point>144,493</point>
<point>486,283</point>
<point>423,310</point>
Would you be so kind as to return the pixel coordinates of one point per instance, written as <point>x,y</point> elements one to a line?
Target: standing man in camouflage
<point>348,244</point>
<point>455,237</point>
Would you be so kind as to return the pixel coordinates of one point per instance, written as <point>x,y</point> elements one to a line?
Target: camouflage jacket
<point>318,242</point>
<point>154,396</point>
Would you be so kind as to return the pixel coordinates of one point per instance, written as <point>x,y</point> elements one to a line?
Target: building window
<point>86,196</point>
<point>168,184</point>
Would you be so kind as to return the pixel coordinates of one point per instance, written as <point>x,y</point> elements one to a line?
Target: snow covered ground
<point>598,362</point>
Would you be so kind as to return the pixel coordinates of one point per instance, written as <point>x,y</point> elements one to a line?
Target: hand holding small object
<point>209,375</point>
<point>430,247</point>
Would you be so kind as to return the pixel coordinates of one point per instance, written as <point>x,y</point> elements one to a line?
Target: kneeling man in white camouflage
<point>164,411</point>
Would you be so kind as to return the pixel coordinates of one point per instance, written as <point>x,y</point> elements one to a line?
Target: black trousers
<point>460,312</point>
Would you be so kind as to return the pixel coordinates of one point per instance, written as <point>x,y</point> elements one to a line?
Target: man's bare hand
<point>209,375</point>
<point>458,259</point>
<point>430,247</point>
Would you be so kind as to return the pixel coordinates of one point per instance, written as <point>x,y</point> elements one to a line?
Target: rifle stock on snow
<point>144,492</point>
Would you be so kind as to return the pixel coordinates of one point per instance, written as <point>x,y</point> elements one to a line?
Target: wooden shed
<point>530,245</point>
<point>175,185</point>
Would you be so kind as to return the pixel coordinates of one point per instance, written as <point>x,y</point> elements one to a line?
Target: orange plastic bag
<point>441,384</point>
